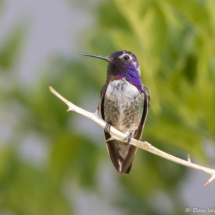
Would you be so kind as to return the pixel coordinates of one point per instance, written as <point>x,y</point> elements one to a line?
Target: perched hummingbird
<point>124,105</point>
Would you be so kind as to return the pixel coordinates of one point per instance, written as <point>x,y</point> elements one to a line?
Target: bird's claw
<point>107,127</point>
<point>128,138</point>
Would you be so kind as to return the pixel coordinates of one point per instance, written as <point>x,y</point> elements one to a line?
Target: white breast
<point>122,91</point>
<point>123,94</point>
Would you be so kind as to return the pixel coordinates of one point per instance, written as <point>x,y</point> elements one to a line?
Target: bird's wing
<point>146,97</point>
<point>123,165</point>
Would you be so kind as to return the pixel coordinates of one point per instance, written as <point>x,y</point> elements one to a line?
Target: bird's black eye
<point>126,57</point>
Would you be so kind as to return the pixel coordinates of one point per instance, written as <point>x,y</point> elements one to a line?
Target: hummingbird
<point>124,103</point>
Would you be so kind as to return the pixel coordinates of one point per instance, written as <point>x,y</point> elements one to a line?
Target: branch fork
<point>115,134</point>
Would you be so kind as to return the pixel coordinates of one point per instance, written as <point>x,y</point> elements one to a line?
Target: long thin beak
<point>107,58</point>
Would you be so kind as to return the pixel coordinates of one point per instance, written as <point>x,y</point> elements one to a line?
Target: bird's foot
<point>107,127</point>
<point>128,138</point>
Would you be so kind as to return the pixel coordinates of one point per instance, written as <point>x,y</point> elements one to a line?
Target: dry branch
<point>115,134</point>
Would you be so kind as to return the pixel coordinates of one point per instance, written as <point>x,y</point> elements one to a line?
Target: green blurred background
<point>55,163</point>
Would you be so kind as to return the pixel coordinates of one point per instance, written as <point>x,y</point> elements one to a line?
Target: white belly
<point>124,101</point>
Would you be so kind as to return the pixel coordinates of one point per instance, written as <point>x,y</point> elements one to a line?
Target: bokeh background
<point>55,163</point>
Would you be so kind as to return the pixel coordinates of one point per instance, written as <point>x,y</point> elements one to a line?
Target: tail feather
<point>122,165</point>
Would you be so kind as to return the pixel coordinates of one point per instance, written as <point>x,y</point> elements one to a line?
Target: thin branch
<point>115,134</point>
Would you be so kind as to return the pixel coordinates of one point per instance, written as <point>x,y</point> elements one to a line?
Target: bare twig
<point>115,134</point>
